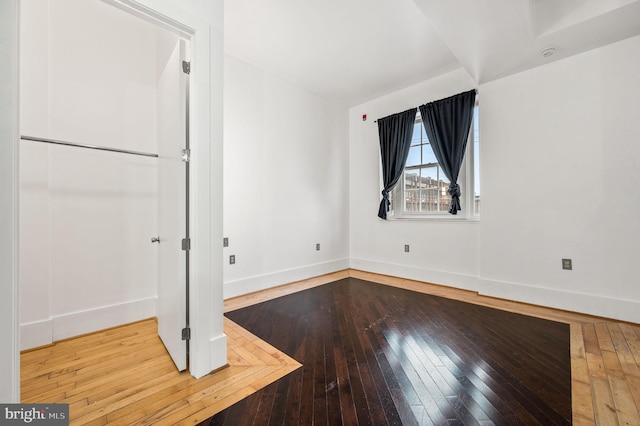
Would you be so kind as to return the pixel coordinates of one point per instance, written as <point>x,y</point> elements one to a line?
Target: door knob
<point>155,239</point>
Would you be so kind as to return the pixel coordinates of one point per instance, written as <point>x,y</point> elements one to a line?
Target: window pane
<point>429,194</point>
<point>411,183</point>
<point>411,178</point>
<point>429,202</point>
<point>443,186</point>
<point>427,154</point>
<point>414,156</point>
<point>412,199</point>
<point>436,198</point>
<point>416,137</point>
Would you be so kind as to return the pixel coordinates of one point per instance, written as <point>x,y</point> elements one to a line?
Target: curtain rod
<point>475,90</point>
<point>79,145</point>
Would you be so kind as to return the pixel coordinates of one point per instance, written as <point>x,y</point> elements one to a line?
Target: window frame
<point>466,180</point>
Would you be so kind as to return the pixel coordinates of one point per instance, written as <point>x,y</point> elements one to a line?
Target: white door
<point>172,206</point>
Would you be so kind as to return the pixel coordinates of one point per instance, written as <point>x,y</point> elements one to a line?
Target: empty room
<point>279,212</point>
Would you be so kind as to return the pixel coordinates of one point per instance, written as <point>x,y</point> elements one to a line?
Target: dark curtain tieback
<point>454,193</point>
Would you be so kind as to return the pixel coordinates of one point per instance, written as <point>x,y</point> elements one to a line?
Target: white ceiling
<point>356,50</point>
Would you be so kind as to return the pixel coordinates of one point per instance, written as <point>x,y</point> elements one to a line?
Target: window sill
<point>445,217</point>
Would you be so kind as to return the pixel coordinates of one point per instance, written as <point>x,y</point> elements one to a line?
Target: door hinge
<point>186,333</point>
<point>186,155</point>
<point>186,67</point>
<point>186,244</point>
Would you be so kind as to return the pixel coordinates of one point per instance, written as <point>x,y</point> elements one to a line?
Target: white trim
<point>9,134</point>
<point>149,14</point>
<point>590,304</point>
<point>443,217</point>
<point>41,333</point>
<point>444,278</point>
<point>90,320</point>
<point>35,334</point>
<point>205,115</point>
<point>262,282</point>
<point>218,357</point>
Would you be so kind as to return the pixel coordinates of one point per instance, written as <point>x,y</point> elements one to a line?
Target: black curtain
<point>395,133</point>
<point>447,123</point>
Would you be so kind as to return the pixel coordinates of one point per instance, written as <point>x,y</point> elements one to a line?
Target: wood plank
<point>604,338</point>
<point>632,336</point>
<point>626,356</point>
<point>591,344</point>
<point>604,406</point>
<point>581,403</point>
<point>626,409</point>
<point>577,340</point>
<point>634,387</point>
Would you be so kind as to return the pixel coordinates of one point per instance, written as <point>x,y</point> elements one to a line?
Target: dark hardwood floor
<point>375,355</point>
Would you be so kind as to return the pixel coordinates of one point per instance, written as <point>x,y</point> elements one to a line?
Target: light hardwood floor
<point>124,376</point>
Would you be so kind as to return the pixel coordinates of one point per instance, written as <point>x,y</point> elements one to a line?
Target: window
<point>421,191</point>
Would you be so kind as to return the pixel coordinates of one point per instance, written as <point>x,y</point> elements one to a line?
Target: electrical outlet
<point>232,259</point>
<point>566,264</point>
<point>225,242</point>
<point>318,247</point>
<point>406,248</point>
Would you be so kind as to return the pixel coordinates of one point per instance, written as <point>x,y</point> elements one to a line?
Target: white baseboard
<point>218,349</point>
<point>449,279</point>
<point>262,282</point>
<point>34,334</point>
<point>76,323</point>
<point>590,304</point>
<point>91,320</point>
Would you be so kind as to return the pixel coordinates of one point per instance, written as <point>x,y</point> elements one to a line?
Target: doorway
<point>95,76</point>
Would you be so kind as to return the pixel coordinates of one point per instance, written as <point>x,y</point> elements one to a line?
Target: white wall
<point>86,217</point>
<point>559,165</point>
<point>440,252</point>
<point>559,153</point>
<point>286,180</point>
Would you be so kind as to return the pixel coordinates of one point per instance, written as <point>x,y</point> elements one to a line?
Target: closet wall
<point>88,75</point>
